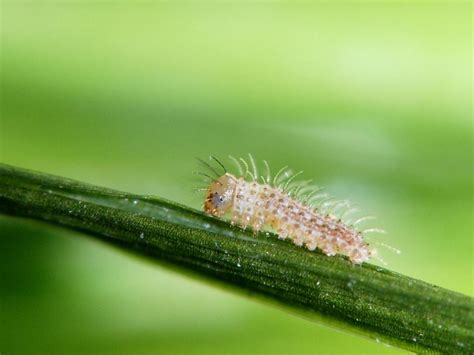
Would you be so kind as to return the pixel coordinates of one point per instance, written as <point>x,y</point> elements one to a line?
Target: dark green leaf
<point>366,299</point>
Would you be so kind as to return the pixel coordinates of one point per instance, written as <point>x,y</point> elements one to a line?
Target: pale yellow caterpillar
<point>296,211</point>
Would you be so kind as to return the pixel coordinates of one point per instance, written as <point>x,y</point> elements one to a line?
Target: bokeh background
<point>372,100</point>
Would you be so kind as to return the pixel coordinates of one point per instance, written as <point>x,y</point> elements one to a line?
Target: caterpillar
<point>294,210</point>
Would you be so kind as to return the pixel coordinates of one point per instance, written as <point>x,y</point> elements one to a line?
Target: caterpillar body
<point>276,204</point>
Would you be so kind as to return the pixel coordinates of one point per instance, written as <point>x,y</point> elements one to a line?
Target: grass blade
<point>365,299</point>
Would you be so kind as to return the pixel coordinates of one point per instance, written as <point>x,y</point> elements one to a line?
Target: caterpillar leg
<point>258,222</point>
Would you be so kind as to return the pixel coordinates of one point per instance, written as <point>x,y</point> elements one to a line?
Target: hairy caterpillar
<point>293,210</point>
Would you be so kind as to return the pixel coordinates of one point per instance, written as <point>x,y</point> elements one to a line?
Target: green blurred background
<point>372,100</point>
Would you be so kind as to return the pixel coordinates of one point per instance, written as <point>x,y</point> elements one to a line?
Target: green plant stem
<point>364,298</point>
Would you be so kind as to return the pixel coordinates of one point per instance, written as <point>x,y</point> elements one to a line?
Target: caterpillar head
<point>220,196</point>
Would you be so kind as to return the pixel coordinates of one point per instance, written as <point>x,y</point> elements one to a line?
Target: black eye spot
<point>217,200</point>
